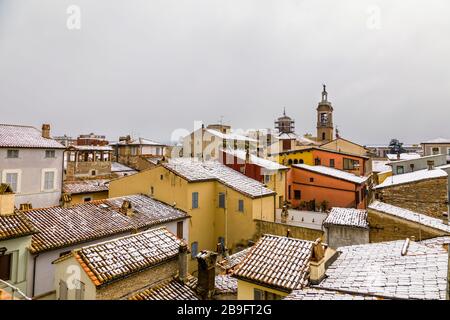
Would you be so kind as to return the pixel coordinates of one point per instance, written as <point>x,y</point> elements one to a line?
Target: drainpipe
<point>62,170</point>
<point>34,275</point>
<point>448,274</point>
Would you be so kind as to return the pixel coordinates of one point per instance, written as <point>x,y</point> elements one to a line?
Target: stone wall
<point>84,169</point>
<point>136,162</point>
<point>384,227</point>
<point>338,236</point>
<point>124,287</point>
<point>280,229</point>
<point>427,196</point>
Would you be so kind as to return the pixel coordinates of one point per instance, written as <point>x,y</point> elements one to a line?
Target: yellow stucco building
<point>222,202</point>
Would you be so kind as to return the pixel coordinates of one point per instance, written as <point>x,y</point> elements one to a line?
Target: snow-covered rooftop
<point>380,166</point>
<point>438,140</point>
<point>347,217</point>
<point>93,148</point>
<point>17,136</point>
<point>412,177</point>
<point>261,162</point>
<point>119,167</point>
<point>380,269</point>
<point>197,170</point>
<point>403,156</point>
<point>439,158</point>
<point>86,186</point>
<point>140,141</point>
<point>230,136</point>
<point>286,136</point>
<point>332,172</point>
<point>409,215</point>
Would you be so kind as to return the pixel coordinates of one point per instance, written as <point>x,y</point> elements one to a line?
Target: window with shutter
<point>49,180</point>
<point>194,200</point>
<point>12,179</point>
<point>180,229</point>
<point>241,205</point>
<point>5,267</point>
<point>222,200</point>
<point>194,250</point>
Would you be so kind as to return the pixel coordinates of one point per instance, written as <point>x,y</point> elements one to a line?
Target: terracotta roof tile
<point>196,170</point>
<point>347,217</point>
<point>16,136</point>
<point>278,262</point>
<point>60,227</point>
<point>112,260</point>
<point>14,226</point>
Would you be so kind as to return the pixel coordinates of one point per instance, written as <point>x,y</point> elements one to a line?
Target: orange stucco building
<point>325,187</point>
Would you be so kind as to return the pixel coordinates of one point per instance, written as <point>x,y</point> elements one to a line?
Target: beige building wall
<point>207,222</point>
<point>246,290</point>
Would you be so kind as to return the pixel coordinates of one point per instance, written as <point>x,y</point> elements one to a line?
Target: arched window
<point>290,161</point>
<point>323,135</point>
<point>300,161</point>
<point>295,161</point>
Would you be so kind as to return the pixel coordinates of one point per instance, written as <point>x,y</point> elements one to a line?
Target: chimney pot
<point>182,262</point>
<point>127,208</point>
<point>317,262</point>
<point>206,274</point>
<point>46,131</point>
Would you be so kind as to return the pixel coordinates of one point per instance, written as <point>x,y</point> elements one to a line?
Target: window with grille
<point>50,153</point>
<point>12,154</point>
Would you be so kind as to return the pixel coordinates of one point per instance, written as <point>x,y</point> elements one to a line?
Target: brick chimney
<point>66,200</point>
<point>7,198</point>
<point>182,262</point>
<point>127,208</point>
<point>206,274</point>
<point>318,261</point>
<point>46,131</point>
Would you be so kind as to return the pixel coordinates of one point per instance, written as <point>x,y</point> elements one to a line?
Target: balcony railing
<point>9,292</point>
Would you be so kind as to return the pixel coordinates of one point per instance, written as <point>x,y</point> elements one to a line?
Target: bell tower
<point>324,118</point>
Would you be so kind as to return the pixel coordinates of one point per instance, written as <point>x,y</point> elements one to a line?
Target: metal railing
<point>9,292</point>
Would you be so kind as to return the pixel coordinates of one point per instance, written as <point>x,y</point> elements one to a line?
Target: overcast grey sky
<point>148,67</point>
